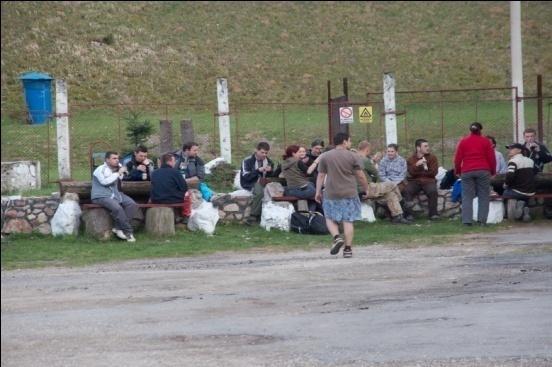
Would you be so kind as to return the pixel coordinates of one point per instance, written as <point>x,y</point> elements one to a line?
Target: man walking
<point>338,171</point>
<point>105,192</point>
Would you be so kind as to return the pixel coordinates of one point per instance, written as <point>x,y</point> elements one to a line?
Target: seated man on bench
<point>105,192</point>
<point>520,180</point>
<point>167,184</point>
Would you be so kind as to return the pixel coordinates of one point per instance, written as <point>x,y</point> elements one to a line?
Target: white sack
<point>204,218</point>
<point>212,164</point>
<point>276,216</point>
<point>66,219</point>
<point>367,213</point>
<point>496,211</point>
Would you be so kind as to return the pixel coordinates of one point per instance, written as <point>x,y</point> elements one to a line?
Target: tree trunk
<point>165,137</point>
<point>97,223</point>
<point>160,221</point>
<point>186,131</point>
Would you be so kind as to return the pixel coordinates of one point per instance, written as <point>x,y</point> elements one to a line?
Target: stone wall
<point>25,215</point>
<point>231,209</point>
<point>20,176</point>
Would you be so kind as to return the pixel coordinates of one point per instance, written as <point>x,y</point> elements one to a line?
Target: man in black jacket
<point>139,167</point>
<point>537,151</point>
<point>254,170</point>
<point>167,184</point>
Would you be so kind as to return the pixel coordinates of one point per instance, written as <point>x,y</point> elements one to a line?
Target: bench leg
<point>160,221</point>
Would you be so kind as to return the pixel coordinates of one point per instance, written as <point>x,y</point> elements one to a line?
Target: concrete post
<point>224,120</point>
<point>517,69</point>
<point>62,129</point>
<point>389,104</point>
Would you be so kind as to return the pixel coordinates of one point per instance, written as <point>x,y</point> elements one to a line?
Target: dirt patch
<point>483,300</point>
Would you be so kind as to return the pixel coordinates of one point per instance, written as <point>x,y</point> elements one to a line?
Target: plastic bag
<point>276,215</point>
<point>237,182</point>
<point>496,211</point>
<point>367,213</point>
<point>66,219</point>
<point>204,218</point>
<point>206,192</point>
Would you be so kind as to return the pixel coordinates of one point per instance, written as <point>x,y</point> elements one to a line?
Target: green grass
<point>29,251</point>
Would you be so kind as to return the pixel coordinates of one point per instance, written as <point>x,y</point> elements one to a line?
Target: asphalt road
<point>480,301</point>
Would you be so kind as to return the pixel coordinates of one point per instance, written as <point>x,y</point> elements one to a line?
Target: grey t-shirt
<point>340,165</point>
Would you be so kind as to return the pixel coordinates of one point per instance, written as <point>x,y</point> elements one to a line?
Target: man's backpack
<point>307,222</point>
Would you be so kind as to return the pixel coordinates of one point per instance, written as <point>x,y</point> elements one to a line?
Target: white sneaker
<point>119,234</point>
<point>131,238</point>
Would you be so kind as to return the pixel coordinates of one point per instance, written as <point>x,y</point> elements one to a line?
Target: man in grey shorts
<point>338,171</point>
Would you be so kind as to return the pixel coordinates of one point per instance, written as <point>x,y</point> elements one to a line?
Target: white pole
<point>389,108</point>
<point>62,123</point>
<point>224,120</point>
<point>517,68</point>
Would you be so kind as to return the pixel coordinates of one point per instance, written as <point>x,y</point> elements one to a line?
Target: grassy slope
<point>173,52</point>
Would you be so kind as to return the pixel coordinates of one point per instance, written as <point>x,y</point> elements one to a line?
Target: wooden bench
<point>300,204</point>
<point>510,205</point>
<point>159,219</point>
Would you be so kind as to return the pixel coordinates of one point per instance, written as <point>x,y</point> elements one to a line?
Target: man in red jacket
<point>475,163</point>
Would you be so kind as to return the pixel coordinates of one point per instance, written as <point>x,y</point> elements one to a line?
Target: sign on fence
<point>346,115</point>
<point>365,114</point>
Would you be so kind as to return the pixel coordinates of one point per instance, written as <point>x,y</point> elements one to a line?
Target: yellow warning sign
<point>365,114</point>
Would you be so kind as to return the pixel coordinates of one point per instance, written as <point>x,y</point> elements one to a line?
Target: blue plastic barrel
<point>37,88</point>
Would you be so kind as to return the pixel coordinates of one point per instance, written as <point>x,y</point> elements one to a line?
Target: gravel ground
<point>483,300</point>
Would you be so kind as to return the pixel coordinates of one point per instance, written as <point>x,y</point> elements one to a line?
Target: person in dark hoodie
<point>167,184</point>
<point>254,171</point>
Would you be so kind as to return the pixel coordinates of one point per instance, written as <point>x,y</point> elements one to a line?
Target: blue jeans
<point>306,192</point>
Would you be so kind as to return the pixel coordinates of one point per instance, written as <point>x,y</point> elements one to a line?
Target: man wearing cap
<point>520,180</point>
<point>537,151</point>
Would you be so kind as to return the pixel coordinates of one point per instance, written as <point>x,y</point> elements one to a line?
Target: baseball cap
<point>515,145</point>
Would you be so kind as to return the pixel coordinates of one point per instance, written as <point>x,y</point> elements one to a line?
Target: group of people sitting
<point>169,183</point>
<point>387,177</point>
<point>394,181</point>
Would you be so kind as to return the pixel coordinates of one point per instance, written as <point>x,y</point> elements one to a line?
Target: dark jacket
<point>540,158</point>
<point>134,174</point>
<point>167,186</point>
<point>190,167</point>
<point>249,173</point>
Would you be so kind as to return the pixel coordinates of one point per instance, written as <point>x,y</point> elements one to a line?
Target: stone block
<point>18,225</point>
<point>232,208</point>
<point>44,228</point>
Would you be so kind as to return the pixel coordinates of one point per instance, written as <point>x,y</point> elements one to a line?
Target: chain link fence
<point>441,117</point>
